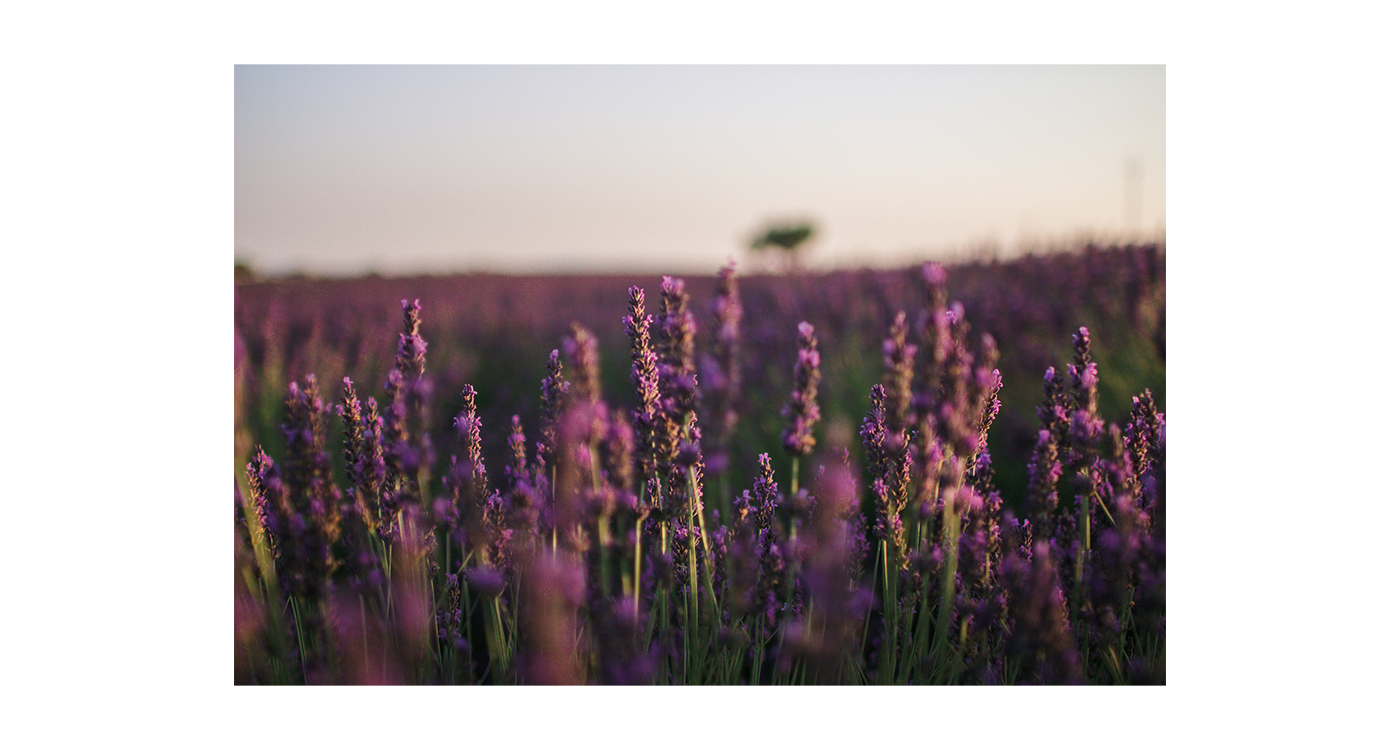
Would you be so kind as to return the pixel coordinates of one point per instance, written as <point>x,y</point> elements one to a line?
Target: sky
<point>343,170</point>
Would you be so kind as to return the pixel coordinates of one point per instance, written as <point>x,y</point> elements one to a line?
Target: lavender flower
<point>1054,410</point>
<point>617,625</point>
<point>1143,448</point>
<point>956,412</point>
<point>413,350</point>
<point>741,559</point>
<point>553,392</point>
<point>986,387</point>
<point>899,357</point>
<point>375,470</point>
<point>268,496</point>
<point>646,417</point>
<point>826,574</point>
<point>802,411</point>
<point>518,469</point>
<point>365,467</point>
<point>891,474</point>
<point>934,328</point>
<point>364,453</point>
<point>1083,373</point>
<point>679,392</point>
<point>408,444</point>
<point>676,351</point>
<point>449,616</point>
<point>1040,631</point>
<point>765,495</point>
<point>581,347</point>
<point>467,481</point>
<point>519,510</point>
<point>1044,472</point>
<point>354,434</point>
<point>301,554</point>
<point>1085,426</point>
<point>311,489</point>
<point>404,457</point>
<point>721,369</point>
<point>580,433</point>
<point>486,582</point>
<point>874,432</point>
<point>619,447</point>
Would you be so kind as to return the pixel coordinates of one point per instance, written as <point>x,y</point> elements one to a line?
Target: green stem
<point>705,539</point>
<point>637,570</point>
<point>891,618</point>
<point>495,642</point>
<point>757,644</point>
<point>951,531</point>
<point>693,604</point>
<point>604,541</point>
<point>957,665</point>
<point>301,636</point>
<point>665,622</point>
<point>795,461</point>
<point>1085,504</point>
<point>918,645</point>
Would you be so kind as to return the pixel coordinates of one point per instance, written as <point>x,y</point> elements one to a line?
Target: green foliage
<point>788,237</point>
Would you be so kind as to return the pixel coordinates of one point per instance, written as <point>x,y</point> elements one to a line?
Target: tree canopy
<point>789,237</point>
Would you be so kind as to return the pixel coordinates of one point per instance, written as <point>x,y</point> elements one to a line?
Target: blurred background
<point>395,170</point>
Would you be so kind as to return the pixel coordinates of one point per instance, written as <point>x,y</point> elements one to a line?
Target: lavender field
<point>921,476</point>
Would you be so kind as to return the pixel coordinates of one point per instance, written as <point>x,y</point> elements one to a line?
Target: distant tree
<point>790,238</point>
<point>243,272</point>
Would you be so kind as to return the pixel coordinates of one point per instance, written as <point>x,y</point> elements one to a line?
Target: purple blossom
<point>1055,407</point>
<point>622,661</point>
<point>874,432</point>
<point>1044,473</point>
<point>554,390</point>
<point>934,327</point>
<point>413,350</point>
<point>552,591</point>
<point>802,410</point>
<point>619,446</point>
<point>517,469</point>
<point>466,480</point>
<point>487,582</point>
<point>581,347</point>
<point>268,495</point>
<point>311,490</point>
<point>765,494</point>
<point>449,616</point>
<point>1143,441</point>
<point>676,351</point>
<point>720,370</point>
<point>1083,374</point>
<point>899,357</point>
<point>1040,631</point>
<point>646,417</point>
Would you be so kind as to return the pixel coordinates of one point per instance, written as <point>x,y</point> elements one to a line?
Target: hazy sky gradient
<point>347,169</point>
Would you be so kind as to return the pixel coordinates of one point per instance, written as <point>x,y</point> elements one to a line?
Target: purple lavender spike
<point>802,411</point>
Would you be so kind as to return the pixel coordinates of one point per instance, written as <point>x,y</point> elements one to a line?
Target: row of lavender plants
<point>492,332</point>
<point>598,554</point>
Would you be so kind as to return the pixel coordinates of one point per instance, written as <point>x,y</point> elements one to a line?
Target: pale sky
<point>406,169</point>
